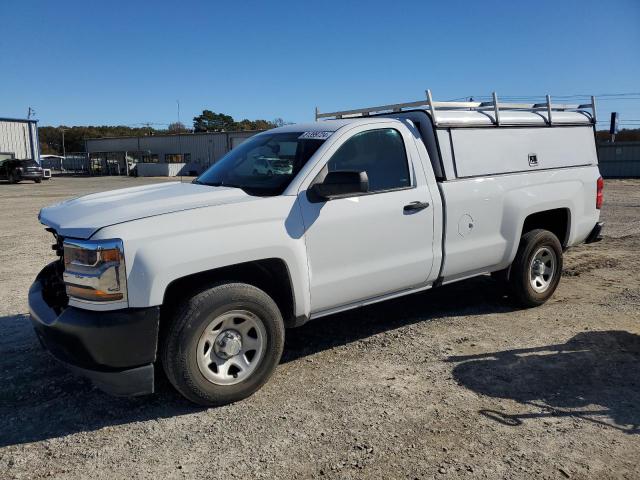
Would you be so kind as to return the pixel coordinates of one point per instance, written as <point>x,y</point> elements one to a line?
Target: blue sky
<point>127,62</point>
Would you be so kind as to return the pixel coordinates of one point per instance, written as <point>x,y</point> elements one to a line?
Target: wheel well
<point>556,221</point>
<point>270,275</point>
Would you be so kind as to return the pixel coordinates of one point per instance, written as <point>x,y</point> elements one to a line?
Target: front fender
<point>160,250</point>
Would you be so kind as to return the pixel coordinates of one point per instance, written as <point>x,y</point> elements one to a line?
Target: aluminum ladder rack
<point>493,106</point>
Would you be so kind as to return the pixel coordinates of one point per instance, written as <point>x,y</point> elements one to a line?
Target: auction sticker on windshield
<point>315,135</point>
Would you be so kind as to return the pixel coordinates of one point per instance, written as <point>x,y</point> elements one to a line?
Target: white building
<point>161,155</point>
<point>19,139</point>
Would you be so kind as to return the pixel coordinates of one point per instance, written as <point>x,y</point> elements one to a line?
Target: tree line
<point>74,137</point>
<point>624,135</point>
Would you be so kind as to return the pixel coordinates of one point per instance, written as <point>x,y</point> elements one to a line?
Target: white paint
<point>369,248</point>
<point>482,151</point>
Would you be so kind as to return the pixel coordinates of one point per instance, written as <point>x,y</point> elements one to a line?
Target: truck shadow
<point>40,399</point>
<point>476,296</point>
<point>594,376</point>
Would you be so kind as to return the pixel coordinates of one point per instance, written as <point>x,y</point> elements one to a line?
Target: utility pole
<point>180,143</point>
<point>64,151</point>
<point>613,127</point>
<point>30,113</point>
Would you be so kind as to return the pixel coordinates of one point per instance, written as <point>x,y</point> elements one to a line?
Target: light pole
<point>64,152</point>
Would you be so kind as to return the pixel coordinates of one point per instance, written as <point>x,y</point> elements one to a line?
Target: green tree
<point>74,137</point>
<point>213,122</point>
<point>624,135</point>
<point>177,127</point>
<point>219,122</point>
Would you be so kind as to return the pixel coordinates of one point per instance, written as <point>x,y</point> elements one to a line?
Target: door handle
<point>415,206</point>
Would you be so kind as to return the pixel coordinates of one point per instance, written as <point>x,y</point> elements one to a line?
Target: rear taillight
<point>599,193</point>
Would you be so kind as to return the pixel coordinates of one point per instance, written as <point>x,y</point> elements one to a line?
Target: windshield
<point>28,163</point>
<point>264,164</point>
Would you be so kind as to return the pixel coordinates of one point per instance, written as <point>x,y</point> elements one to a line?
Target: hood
<point>81,217</point>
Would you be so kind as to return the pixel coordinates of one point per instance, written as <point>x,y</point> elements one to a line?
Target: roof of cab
<point>321,126</point>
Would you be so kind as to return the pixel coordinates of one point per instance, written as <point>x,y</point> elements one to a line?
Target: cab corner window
<point>380,153</point>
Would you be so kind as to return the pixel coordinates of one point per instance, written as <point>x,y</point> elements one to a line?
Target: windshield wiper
<point>221,184</point>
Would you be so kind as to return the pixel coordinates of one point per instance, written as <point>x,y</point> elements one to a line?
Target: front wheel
<point>38,180</point>
<point>223,344</point>
<point>13,178</point>
<point>536,270</point>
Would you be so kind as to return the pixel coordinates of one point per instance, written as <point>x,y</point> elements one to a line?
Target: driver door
<point>373,244</point>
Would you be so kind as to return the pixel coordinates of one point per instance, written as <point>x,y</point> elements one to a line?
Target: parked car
<point>272,166</point>
<point>15,170</point>
<point>204,277</point>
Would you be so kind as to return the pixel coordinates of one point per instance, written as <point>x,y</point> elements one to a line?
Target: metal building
<point>161,155</point>
<point>19,139</point>
<point>619,160</point>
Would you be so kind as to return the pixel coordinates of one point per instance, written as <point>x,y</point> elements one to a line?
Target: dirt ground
<point>451,383</point>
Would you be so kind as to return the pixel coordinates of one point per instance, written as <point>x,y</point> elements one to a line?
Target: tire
<point>12,178</point>
<point>193,340</point>
<point>531,284</point>
<point>38,180</point>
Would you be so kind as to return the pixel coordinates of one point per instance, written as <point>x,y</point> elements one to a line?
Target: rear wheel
<point>37,180</point>
<point>223,344</point>
<point>536,270</point>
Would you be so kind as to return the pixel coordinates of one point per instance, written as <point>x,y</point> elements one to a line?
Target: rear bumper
<point>596,233</point>
<point>31,175</point>
<point>115,349</point>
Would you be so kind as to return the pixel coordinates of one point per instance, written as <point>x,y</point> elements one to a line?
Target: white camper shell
<point>491,138</point>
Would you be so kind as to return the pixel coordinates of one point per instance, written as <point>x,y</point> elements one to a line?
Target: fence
<point>619,160</point>
<point>74,163</point>
<point>81,163</point>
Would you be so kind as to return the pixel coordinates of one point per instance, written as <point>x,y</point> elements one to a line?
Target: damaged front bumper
<point>114,349</point>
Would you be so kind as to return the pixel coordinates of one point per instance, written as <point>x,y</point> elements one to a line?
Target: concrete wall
<point>19,137</point>
<point>618,160</point>
<point>204,148</point>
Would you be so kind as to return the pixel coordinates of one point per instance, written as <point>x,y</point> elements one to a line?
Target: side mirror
<point>341,184</point>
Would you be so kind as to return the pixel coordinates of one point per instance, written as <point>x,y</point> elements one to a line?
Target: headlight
<point>94,270</point>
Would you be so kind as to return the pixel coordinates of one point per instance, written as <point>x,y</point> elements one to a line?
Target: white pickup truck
<point>365,205</point>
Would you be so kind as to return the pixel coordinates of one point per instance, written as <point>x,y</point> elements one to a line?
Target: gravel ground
<point>452,383</point>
